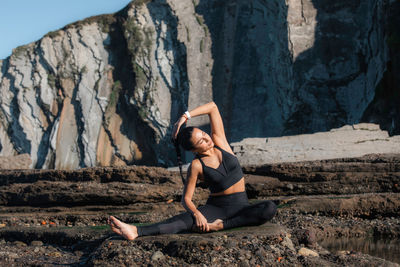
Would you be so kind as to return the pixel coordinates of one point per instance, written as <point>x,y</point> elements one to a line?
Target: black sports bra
<point>227,174</point>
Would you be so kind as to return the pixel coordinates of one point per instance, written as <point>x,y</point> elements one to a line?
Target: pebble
<point>158,255</point>
<point>55,254</point>
<point>287,242</point>
<point>274,248</point>
<point>244,263</point>
<point>307,237</point>
<point>78,253</point>
<point>19,244</point>
<point>37,243</point>
<point>343,252</point>
<point>231,244</point>
<point>10,255</point>
<point>307,252</point>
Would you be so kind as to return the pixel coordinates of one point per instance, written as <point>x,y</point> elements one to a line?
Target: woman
<point>215,163</point>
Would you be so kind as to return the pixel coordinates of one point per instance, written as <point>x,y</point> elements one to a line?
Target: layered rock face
<point>101,91</point>
<point>53,217</point>
<point>107,90</point>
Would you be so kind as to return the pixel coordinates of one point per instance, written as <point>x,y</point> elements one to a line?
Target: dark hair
<point>183,139</point>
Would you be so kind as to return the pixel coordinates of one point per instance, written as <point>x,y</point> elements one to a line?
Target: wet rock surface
<point>56,217</point>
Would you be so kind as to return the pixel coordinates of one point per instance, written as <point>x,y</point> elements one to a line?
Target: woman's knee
<point>269,210</point>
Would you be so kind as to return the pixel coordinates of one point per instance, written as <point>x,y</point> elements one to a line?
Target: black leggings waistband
<point>228,200</point>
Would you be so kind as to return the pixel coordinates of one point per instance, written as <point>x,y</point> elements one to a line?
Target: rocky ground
<point>55,217</point>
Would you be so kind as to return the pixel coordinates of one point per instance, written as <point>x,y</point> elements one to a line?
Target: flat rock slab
<point>62,236</point>
<point>265,245</point>
<point>66,212</point>
<point>140,185</point>
<point>348,141</point>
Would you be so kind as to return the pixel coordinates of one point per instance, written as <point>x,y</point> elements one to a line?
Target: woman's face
<point>201,141</point>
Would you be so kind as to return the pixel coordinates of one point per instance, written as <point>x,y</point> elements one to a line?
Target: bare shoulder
<point>222,143</point>
<point>196,169</point>
<point>195,166</point>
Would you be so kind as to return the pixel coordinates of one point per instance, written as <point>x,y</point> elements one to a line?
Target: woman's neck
<point>209,152</point>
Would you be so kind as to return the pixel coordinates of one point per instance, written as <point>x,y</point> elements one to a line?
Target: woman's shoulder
<point>196,167</point>
<point>196,164</point>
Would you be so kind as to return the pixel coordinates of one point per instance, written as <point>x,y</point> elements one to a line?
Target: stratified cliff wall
<point>104,91</point>
<point>284,68</point>
<point>385,108</point>
<point>107,90</point>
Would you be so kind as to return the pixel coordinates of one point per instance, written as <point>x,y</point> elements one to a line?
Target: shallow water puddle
<point>387,248</point>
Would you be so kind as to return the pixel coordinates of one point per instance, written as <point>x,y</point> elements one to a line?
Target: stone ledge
<point>348,141</point>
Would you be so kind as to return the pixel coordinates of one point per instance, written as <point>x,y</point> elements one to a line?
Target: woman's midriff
<point>235,188</point>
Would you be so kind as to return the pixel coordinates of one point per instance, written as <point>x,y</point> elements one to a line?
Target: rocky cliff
<point>106,90</point>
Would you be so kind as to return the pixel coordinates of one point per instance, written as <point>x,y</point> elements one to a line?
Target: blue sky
<point>26,21</point>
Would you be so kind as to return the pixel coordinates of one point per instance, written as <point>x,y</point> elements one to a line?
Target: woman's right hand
<point>201,222</point>
<point>178,125</point>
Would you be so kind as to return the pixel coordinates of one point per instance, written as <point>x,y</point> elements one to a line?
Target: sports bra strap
<point>197,156</point>
<point>218,147</point>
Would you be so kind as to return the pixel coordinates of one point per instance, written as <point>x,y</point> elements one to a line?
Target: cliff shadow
<point>335,78</point>
<point>251,69</point>
<point>284,70</point>
<point>384,109</point>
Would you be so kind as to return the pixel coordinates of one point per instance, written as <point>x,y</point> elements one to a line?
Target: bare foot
<point>216,225</point>
<point>126,230</point>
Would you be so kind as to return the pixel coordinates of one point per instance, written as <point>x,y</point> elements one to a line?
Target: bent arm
<point>217,125</point>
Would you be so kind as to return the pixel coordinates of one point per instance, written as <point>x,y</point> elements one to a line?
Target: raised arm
<point>217,126</point>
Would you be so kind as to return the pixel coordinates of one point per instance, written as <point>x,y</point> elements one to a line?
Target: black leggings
<point>233,209</point>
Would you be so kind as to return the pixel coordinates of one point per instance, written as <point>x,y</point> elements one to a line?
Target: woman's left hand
<point>178,125</point>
